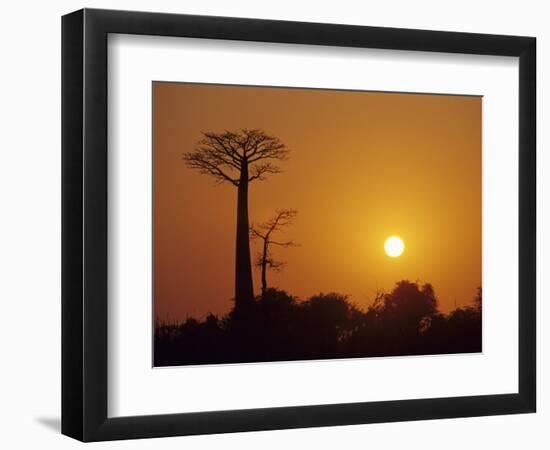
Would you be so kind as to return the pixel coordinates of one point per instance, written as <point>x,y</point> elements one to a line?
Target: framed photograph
<point>273,224</point>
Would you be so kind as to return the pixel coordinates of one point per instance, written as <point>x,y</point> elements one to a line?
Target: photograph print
<point>310,224</point>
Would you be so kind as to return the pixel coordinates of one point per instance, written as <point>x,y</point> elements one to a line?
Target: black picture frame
<point>84,224</point>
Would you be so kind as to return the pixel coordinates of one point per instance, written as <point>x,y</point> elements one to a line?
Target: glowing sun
<point>394,246</point>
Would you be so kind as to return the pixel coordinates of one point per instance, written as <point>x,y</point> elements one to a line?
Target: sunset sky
<point>363,166</point>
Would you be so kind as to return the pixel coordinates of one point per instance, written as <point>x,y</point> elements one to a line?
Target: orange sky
<point>363,166</point>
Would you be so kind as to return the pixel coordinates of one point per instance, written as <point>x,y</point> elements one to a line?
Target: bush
<point>280,327</point>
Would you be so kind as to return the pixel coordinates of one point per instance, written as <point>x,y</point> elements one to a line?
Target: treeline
<point>280,327</point>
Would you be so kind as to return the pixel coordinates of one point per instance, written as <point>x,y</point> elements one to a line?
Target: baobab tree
<point>265,232</point>
<point>238,158</point>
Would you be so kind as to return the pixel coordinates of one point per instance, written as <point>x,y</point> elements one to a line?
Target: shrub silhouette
<point>405,321</point>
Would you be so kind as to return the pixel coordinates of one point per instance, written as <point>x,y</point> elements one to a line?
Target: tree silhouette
<point>238,157</point>
<point>265,231</point>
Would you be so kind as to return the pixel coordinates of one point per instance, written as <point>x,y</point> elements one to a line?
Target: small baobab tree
<point>265,232</point>
<point>238,158</point>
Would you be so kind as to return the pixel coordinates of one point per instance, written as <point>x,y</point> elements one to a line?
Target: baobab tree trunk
<point>264,269</point>
<point>244,290</point>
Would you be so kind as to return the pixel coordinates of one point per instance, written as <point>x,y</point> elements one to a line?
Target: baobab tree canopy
<point>239,157</point>
<point>225,155</point>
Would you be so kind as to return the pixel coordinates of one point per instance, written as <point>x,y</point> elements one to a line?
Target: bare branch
<point>275,265</point>
<point>223,143</point>
<point>259,171</point>
<point>262,146</point>
<point>282,218</point>
<point>269,261</point>
<point>285,244</point>
<point>255,232</point>
<point>206,164</point>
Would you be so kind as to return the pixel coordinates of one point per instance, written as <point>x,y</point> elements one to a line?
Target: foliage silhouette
<point>405,321</point>
<point>264,232</point>
<point>239,157</point>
